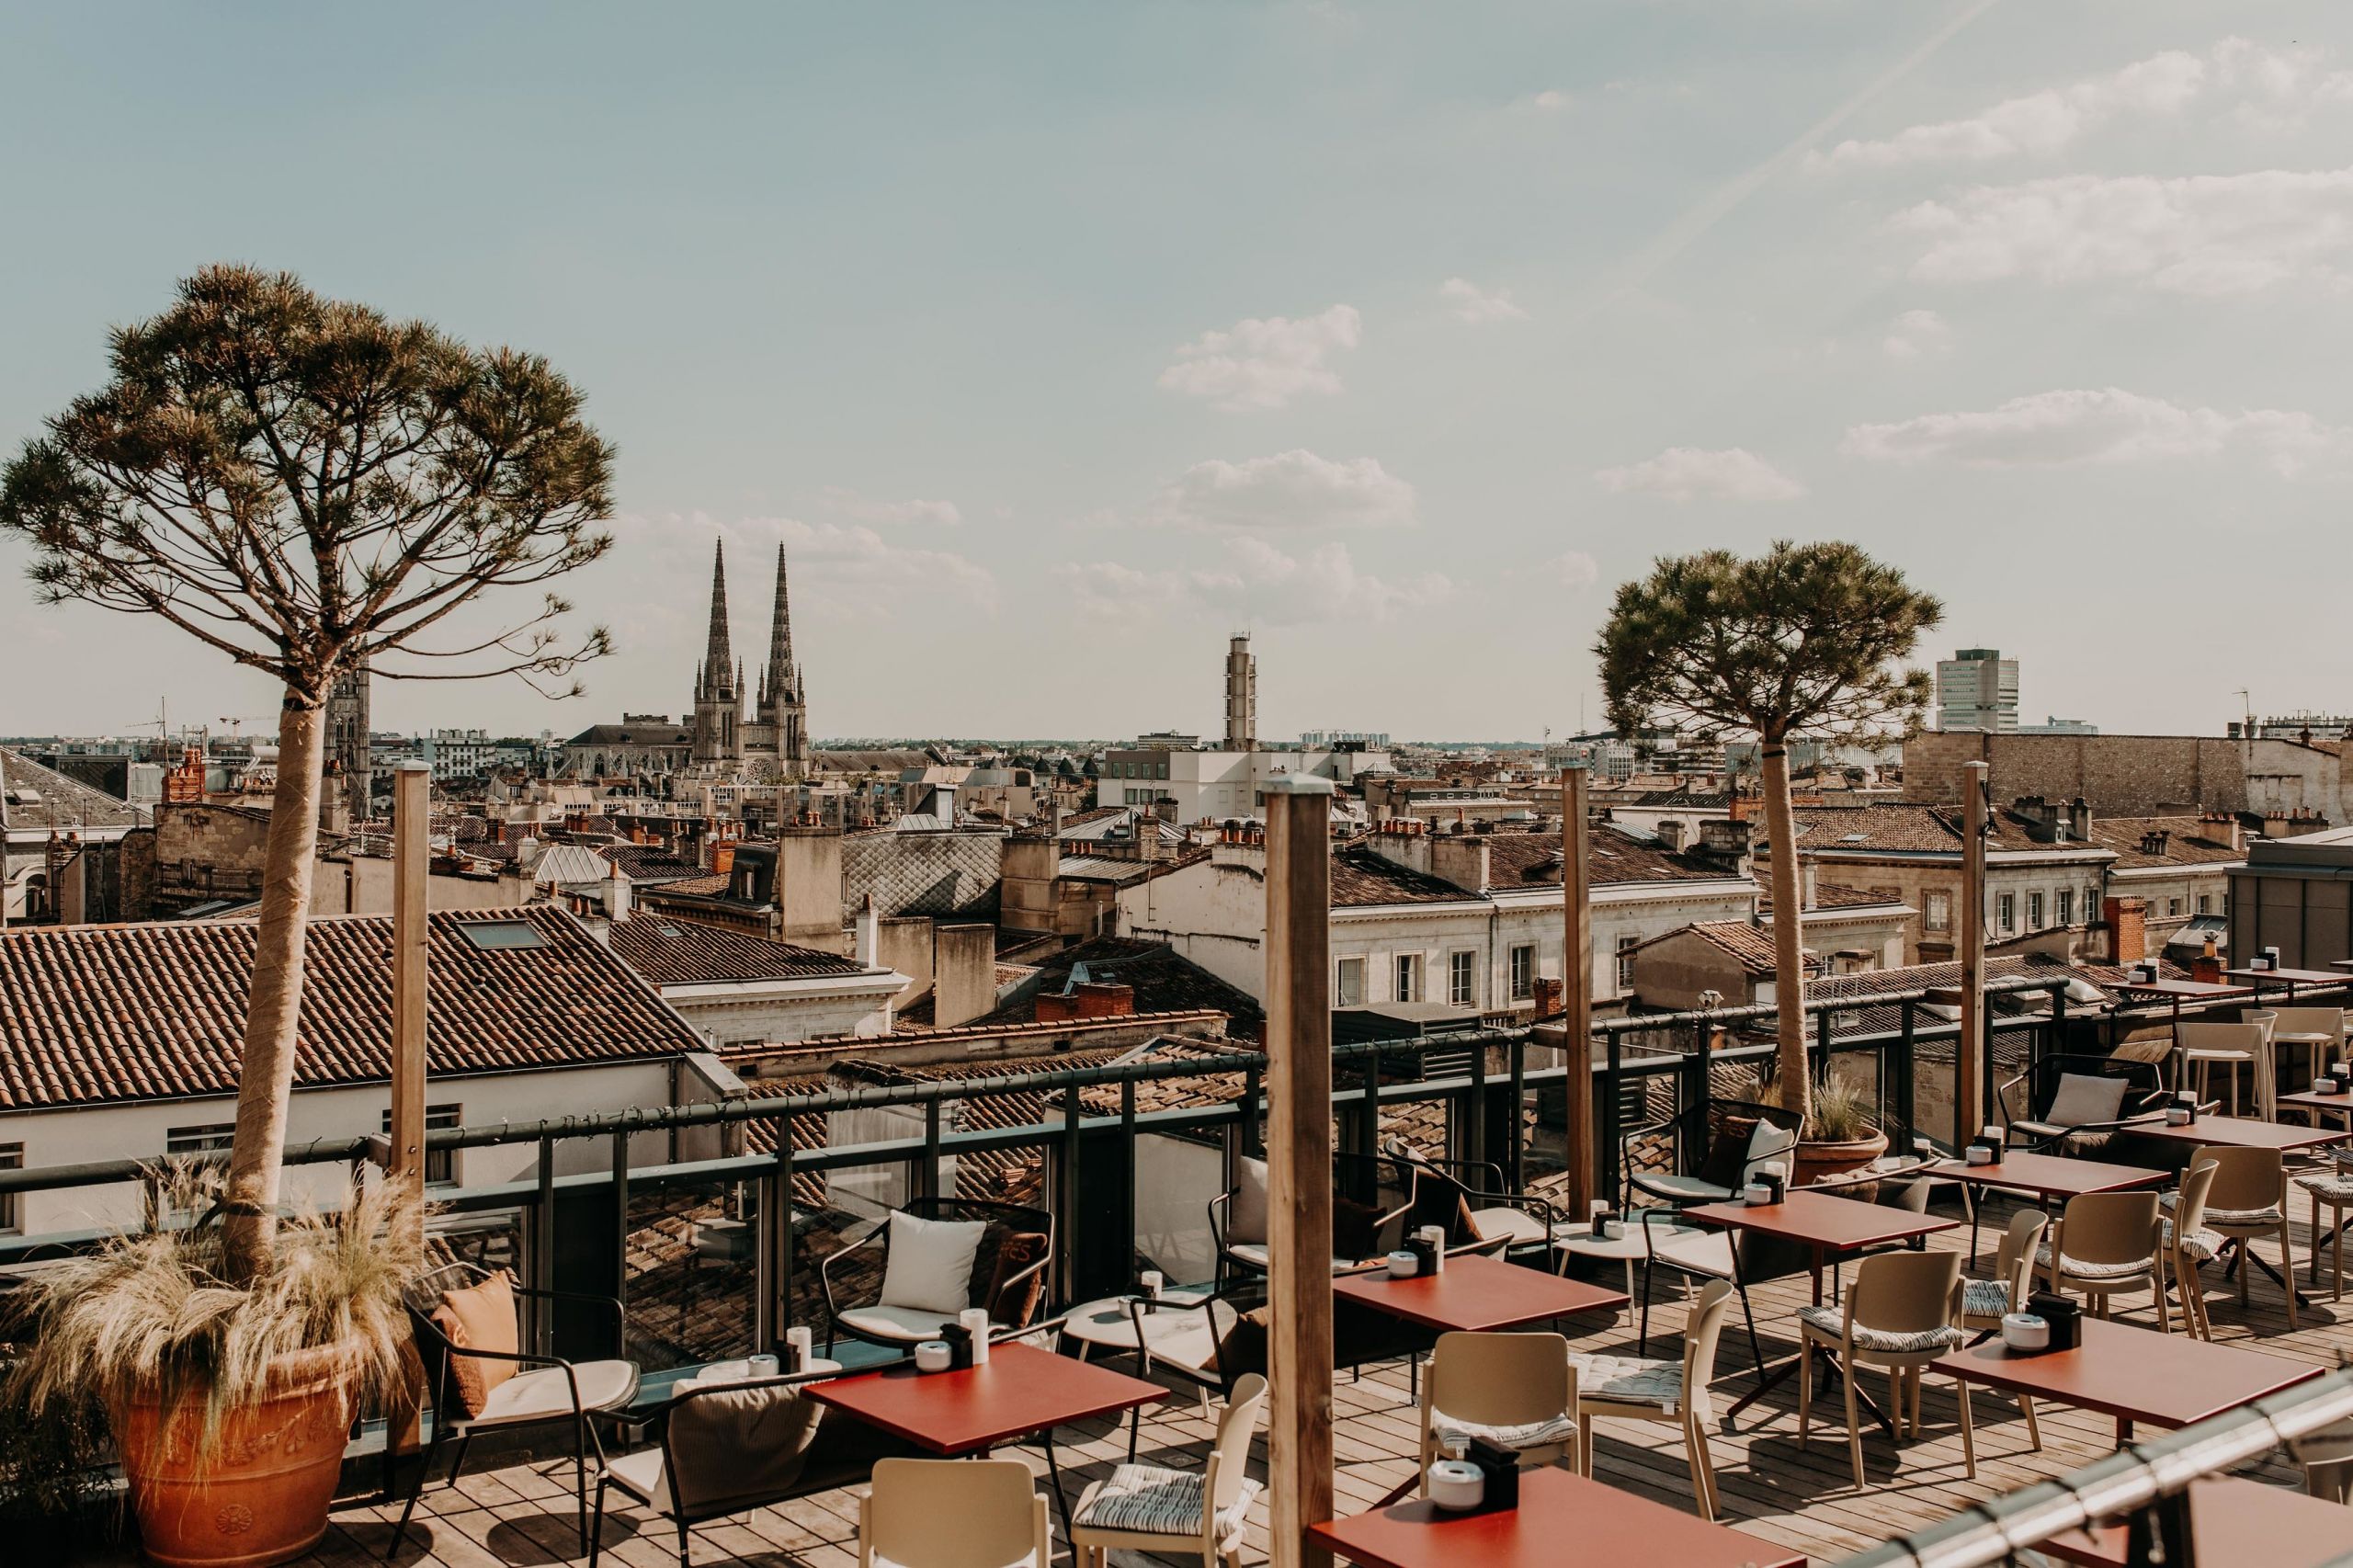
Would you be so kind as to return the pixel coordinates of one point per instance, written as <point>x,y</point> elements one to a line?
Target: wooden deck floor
<point>520,1515</point>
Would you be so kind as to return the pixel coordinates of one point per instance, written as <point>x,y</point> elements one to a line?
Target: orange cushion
<point>480,1317</point>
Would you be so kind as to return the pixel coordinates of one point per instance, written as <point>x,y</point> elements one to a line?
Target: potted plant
<point>230,1403</point>
<point>1839,1138</point>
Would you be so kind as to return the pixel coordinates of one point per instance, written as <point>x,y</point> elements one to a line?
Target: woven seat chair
<point>1145,1507</point>
<point>1514,1391</point>
<point>953,1514</point>
<point>2248,1201</point>
<point>1636,1388</point>
<point>2107,1243</point>
<point>1903,1312</point>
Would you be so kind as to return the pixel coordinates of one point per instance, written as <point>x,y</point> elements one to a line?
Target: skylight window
<point>502,936</point>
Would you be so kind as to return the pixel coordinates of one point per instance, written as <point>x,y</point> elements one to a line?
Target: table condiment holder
<point>2065,1315</point>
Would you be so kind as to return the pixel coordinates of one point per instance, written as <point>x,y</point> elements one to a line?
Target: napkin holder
<point>1425,1255</point>
<point>2328,1083</point>
<point>958,1340</point>
<point>1501,1469</point>
<point>2064,1313</point>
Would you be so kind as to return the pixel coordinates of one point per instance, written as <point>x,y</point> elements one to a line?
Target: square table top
<point>2229,1515</point>
<point>2048,1176</point>
<point>1562,1521</point>
<point>2289,976</point>
<point>1475,1294</point>
<point>2133,1374</point>
<point>2238,1130</point>
<point>2312,1101</point>
<point>1817,1218</point>
<point>1020,1390</point>
<point>2183,988</point>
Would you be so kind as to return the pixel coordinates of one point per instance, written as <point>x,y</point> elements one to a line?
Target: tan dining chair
<point>2320,1030</point>
<point>2106,1244</point>
<point>1985,1303</point>
<point>1902,1312</point>
<point>1640,1388</point>
<point>2230,1047</point>
<point>1513,1391</point>
<point>1148,1507</point>
<point>2187,1243</point>
<point>2249,1200</point>
<point>2334,1187</point>
<point>953,1514</point>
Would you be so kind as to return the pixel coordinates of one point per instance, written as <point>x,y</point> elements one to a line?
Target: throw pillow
<point>1767,1144</point>
<point>930,1264</point>
<point>1242,1348</point>
<point>1010,1301</point>
<point>1246,1216</point>
<point>478,1317</point>
<point>1355,1229</point>
<point>2083,1098</point>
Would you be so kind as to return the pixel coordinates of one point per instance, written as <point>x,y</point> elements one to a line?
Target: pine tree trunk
<point>273,1001</point>
<point>1793,1079</point>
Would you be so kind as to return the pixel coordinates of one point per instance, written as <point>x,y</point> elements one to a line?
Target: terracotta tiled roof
<point>680,952</point>
<point>1612,855</point>
<point>1361,878</point>
<point>1903,828</point>
<point>98,1014</point>
<point>1751,945</point>
<point>1837,895</point>
<point>649,863</point>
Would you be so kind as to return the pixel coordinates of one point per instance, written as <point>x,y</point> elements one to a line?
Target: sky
<point>1059,342</point>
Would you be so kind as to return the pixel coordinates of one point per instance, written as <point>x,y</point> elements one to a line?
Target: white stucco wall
<point>772,1012</point>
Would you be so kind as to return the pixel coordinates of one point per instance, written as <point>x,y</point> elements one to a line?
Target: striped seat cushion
<point>1518,1436</point>
<point>2328,1190</point>
<point>1831,1320</point>
<point>1635,1380</point>
<point>1150,1500</point>
<point>2202,1246</point>
<point>2077,1268</point>
<point>1984,1298</point>
<point>2267,1216</point>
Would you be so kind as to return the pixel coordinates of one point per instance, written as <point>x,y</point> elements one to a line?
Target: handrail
<point>2132,1478</point>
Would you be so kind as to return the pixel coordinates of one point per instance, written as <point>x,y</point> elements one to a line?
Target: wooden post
<point>1299,1164</point>
<point>1968,1056</point>
<point>404,1157</point>
<point>1576,988</point>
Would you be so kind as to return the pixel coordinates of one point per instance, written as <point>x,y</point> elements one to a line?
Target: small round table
<point>1628,1247</point>
<point>1105,1324</point>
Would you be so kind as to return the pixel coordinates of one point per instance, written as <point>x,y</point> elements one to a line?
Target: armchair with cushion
<point>941,1256</point>
<point>2070,1104</point>
<point>479,1378</point>
<point>730,1446</point>
<point>1473,1201</point>
<point>1742,1136</point>
<point>1238,1217</point>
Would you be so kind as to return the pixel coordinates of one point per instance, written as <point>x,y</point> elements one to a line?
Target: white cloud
<point>1688,474</point>
<point>1256,583</point>
<point>867,509</point>
<point>2252,86</point>
<point>2105,426</point>
<point>1551,100</point>
<point>2195,234</point>
<point>1916,333</point>
<point>1264,364</point>
<point>1286,491</point>
<point>2039,123</point>
<point>1476,305</point>
<point>1574,569</point>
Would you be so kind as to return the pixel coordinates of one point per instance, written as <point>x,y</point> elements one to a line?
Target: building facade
<point>776,730</point>
<point>1978,689</point>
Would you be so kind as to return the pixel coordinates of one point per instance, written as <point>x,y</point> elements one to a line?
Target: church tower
<point>782,711</point>
<point>719,685</point>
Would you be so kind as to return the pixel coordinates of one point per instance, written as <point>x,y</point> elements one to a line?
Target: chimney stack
<point>2128,929</point>
<point>617,891</point>
<point>870,933</point>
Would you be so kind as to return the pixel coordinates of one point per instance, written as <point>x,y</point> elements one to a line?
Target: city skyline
<point>1396,338</point>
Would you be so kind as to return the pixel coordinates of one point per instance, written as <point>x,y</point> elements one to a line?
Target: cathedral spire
<point>777,685</point>
<point>716,659</point>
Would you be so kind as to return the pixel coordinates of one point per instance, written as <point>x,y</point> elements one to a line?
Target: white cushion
<point>908,1326</point>
<point>641,1476</point>
<point>1680,1188</point>
<point>1256,1256</point>
<point>542,1391</point>
<point>1245,1218</point>
<point>1766,1144</point>
<point>1148,1499</point>
<point>1518,1435</point>
<point>2083,1098</point>
<point>930,1265</point>
<point>1514,1226</point>
<point>2077,1268</point>
<point>1696,1252</point>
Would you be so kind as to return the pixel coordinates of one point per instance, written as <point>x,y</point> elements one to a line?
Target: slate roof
<point>2184,844</point>
<point>94,1015</point>
<point>1893,827</point>
<point>645,863</point>
<point>34,799</point>
<point>1162,981</point>
<point>1361,878</point>
<point>679,952</point>
<point>634,735</point>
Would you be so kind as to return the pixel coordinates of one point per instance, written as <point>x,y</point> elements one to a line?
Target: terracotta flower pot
<point>1814,1162</point>
<point>262,1496</point>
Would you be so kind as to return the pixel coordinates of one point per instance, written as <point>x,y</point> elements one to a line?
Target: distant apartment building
<point>1978,689</point>
<point>1218,784</point>
<point>1314,740</point>
<point>2054,726</point>
<point>460,754</point>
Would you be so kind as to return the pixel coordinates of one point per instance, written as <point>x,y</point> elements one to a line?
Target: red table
<point>1825,1226</point>
<point>2241,1131</point>
<point>1021,1392</point>
<point>2042,1178</point>
<point>2229,1518</point>
<point>2304,1099</point>
<point>2133,1374</point>
<point>1477,1295</point>
<point>1562,1521</point>
<point>2287,979</point>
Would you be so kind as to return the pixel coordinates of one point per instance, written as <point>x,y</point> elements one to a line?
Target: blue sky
<point>1057,341</point>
